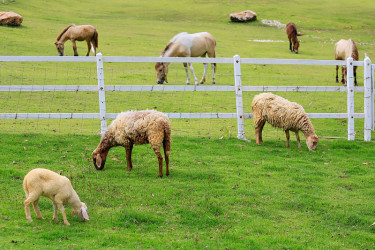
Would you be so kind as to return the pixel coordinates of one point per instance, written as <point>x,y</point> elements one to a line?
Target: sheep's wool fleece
<point>280,112</point>
<point>139,127</point>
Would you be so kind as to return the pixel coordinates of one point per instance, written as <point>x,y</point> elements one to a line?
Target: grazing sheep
<point>43,182</point>
<point>284,114</point>
<point>129,128</point>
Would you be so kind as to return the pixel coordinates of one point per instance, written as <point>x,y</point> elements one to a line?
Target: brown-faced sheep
<point>129,128</point>
<point>284,114</point>
<point>43,182</point>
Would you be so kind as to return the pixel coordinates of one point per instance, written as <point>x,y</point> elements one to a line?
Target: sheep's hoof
<point>213,83</point>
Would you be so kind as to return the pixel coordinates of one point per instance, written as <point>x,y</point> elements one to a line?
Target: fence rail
<point>101,88</point>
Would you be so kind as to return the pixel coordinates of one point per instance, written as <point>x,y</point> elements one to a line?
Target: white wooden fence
<point>368,89</point>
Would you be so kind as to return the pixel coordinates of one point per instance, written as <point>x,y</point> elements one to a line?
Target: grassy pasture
<point>222,192</point>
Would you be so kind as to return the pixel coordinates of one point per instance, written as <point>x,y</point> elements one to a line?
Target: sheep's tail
<point>167,140</point>
<point>25,187</point>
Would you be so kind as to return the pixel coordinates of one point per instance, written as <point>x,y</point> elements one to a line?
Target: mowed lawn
<point>222,192</point>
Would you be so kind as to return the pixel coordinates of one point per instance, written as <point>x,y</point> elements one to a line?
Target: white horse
<point>343,50</point>
<point>188,45</point>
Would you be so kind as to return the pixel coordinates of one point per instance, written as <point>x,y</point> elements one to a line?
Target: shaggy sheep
<point>43,182</point>
<point>129,128</point>
<point>284,114</point>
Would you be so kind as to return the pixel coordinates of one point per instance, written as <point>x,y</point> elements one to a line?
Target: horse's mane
<point>63,32</point>
<point>166,48</point>
<point>354,51</point>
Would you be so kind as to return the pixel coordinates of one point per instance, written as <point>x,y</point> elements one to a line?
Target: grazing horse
<point>188,45</point>
<point>343,50</point>
<point>77,33</point>
<point>291,31</point>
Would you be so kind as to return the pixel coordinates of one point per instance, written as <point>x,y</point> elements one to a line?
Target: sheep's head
<point>99,158</point>
<point>82,212</point>
<point>312,142</point>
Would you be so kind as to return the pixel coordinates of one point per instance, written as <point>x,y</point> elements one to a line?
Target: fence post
<point>239,101</point>
<point>350,100</point>
<point>368,98</point>
<point>102,107</point>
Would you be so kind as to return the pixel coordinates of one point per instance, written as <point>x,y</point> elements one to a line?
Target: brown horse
<point>291,31</point>
<point>343,50</point>
<point>188,45</point>
<point>77,33</point>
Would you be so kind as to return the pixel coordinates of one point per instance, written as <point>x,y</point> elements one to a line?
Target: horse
<point>188,45</point>
<point>343,50</point>
<point>291,31</point>
<point>77,33</point>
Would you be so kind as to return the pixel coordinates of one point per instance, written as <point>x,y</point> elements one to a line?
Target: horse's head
<point>295,46</point>
<point>60,48</point>
<point>161,71</point>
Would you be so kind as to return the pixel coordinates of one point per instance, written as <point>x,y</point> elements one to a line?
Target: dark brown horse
<point>291,31</point>
<point>77,33</point>
<point>343,50</point>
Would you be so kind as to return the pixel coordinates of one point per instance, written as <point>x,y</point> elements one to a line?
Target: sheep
<point>136,127</point>
<point>284,114</point>
<point>43,182</point>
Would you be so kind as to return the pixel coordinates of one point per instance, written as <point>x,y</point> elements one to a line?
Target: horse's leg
<point>187,73</point>
<point>75,48</point>
<point>213,67</point>
<point>88,47</point>
<point>192,72</point>
<point>355,76</point>
<point>343,76</point>
<point>290,44</point>
<point>204,73</point>
<point>337,74</point>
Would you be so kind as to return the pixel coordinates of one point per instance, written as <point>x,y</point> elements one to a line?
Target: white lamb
<point>43,182</point>
<point>284,114</point>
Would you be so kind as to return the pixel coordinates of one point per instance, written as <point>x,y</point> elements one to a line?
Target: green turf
<point>222,192</point>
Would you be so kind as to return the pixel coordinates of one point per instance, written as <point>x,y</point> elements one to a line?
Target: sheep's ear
<point>84,213</point>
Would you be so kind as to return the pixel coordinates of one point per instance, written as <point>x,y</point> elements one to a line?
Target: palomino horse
<point>291,31</point>
<point>188,45</point>
<point>77,33</point>
<point>343,50</point>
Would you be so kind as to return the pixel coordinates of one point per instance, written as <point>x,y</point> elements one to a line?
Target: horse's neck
<point>170,52</point>
<point>64,37</point>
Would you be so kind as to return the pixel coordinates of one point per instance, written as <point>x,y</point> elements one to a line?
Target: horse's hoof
<point>213,83</point>
<point>201,82</point>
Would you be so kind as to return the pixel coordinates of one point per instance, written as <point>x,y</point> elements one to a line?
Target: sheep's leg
<point>60,206</point>
<point>337,74</point>
<point>37,210</point>
<point>30,199</point>
<point>27,209</point>
<point>128,150</point>
<point>258,131</point>
<point>55,212</point>
<point>287,138</point>
<point>166,155</point>
<point>187,73</point>
<point>160,159</point>
<point>298,140</point>
<point>88,47</point>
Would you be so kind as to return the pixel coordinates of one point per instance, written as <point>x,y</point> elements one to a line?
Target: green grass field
<point>222,193</point>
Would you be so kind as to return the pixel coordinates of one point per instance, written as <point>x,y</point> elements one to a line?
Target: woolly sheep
<point>129,128</point>
<point>43,182</point>
<point>284,114</point>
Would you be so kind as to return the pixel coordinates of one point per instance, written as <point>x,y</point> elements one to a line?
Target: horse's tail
<point>94,39</point>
